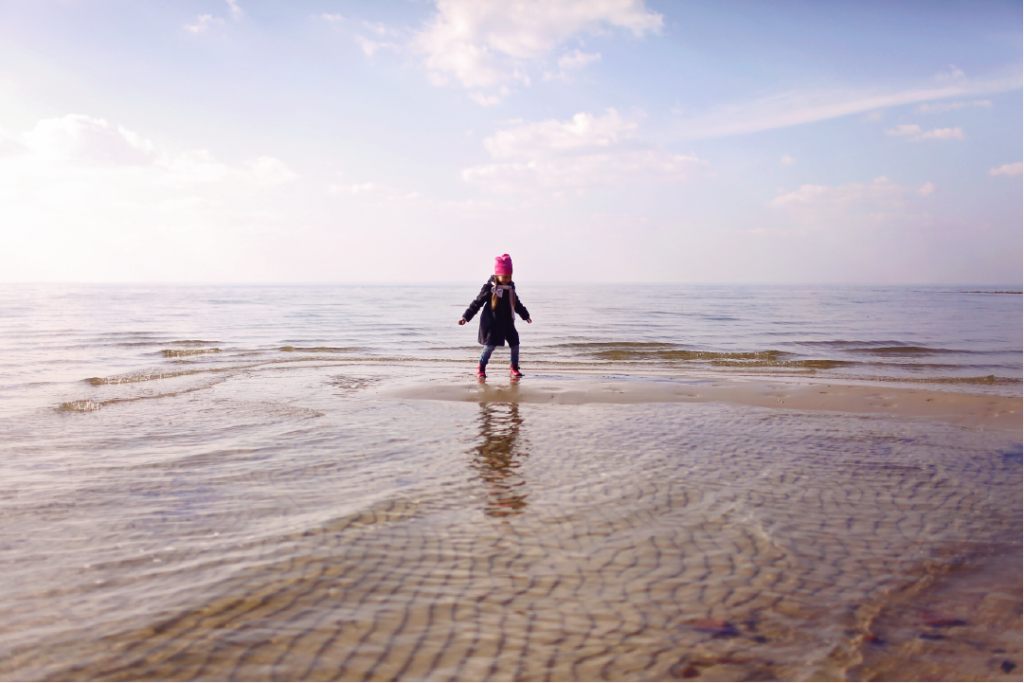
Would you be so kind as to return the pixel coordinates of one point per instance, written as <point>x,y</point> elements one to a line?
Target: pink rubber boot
<point>514,372</point>
<point>481,370</point>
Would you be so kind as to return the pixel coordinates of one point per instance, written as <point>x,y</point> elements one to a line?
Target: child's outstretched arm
<point>521,309</point>
<point>484,295</point>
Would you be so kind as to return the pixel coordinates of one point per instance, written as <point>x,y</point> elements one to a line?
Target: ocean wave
<point>176,342</point>
<point>990,380</point>
<point>752,356</point>
<point>179,353</point>
<point>851,342</point>
<point>917,367</point>
<point>145,376</point>
<point>613,345</point>
<point>889,347</point>
<point>808,364</point>
<point>991,291</point>
<point>882,346</point>
<point>897,350</point>
<point>654,353</point>
<point>86,406</point>
<point>321,349</point>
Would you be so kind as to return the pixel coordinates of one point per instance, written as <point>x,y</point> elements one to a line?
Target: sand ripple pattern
<point>587,542</point>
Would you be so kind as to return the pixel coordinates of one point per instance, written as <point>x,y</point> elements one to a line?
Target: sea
<point>214,482</point>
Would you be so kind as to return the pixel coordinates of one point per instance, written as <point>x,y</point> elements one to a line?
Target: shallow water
<point>945,336</point>
<point>254,513</point>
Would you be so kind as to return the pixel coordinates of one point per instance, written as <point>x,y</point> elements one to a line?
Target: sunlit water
<point>208,482</point>
<point>934,335</point>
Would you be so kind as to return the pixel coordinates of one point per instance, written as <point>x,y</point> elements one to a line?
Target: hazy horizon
<point>621,141</point>
<point>532,283</point>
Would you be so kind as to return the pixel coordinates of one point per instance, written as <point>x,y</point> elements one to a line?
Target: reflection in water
<point>498,456</point>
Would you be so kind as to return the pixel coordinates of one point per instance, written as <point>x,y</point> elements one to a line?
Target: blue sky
<point>607,140</point>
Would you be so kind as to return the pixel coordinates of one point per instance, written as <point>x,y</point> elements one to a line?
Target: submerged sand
<point>366,526</point>
<point>986,411</point>
<point>961,625</point>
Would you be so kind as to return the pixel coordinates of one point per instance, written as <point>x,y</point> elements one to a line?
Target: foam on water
<point>180,353</point>
<point>80,406</point>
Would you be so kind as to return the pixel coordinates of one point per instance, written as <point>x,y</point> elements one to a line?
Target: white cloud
<point>1009,170</point>
<point>89,199</point>
<point>953,74</point>
<point>203,23</point>
<point>83,140</point>
<point>797,107</point>
<point>879,200</point>
<point>586,151</point>
<point>905,129</point>
<point>787,161</point>
<point>938,108</point>
<point>332,18</point>
<point>10,145</point>
<point>942,134</point>
<point>195,166</point>
<point>488,100</point>
<point>572,61</point>
<point>577,60</point>
<point>377,27</point>
<point>583,131</point>
<point>371,194</point>
<point>236,11</point>
<point>90,152</point>
<point>916,134</point>
<point>487,43</point>
<point>360,188</point>
<point>368,46</point>
<point>83,146</point>
<point>271,171</point>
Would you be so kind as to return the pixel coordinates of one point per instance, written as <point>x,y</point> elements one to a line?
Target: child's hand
<point>462,321</point>
<point>528,320</point>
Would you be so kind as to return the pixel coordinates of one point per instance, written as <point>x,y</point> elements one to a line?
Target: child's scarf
<point>499,291</point>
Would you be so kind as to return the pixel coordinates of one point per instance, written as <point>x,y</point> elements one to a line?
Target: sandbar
<point>980,411</point>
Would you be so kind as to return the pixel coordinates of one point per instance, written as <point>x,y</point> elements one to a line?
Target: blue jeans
<point>488,350</point>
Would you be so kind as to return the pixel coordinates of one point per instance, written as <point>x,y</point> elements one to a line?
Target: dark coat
<point>497,325</point>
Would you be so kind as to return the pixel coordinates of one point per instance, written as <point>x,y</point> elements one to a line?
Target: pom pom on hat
<point>503,265</point>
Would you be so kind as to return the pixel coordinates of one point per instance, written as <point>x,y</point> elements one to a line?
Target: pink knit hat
<point>503,265</point>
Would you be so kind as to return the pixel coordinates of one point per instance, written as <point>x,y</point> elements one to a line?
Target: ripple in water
<point>287,518</point>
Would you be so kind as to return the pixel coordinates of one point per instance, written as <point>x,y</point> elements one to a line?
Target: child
<point>498,320</point>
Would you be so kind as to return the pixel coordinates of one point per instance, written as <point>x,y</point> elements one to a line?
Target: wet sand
<point>961,625</point>
<point>559,528</point>
<point>984,411</point>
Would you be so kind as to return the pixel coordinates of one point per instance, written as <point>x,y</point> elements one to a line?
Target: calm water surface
<point>203,482</point>
<point>936,335</point>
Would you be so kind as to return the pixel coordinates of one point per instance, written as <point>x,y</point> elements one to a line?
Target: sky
<point>246,141</point>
